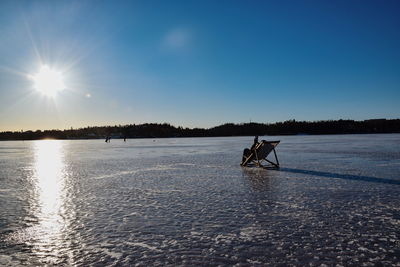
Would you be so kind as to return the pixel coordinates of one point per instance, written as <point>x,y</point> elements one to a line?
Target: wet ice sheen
<point>187,201</point>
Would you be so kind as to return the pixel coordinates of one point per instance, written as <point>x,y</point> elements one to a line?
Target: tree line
<point>157,130</point>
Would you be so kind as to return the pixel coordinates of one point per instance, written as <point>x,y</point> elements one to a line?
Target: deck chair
<point>259,153</point>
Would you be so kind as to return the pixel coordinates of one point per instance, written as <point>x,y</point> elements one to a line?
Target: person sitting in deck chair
<point>255,142</point>
<point>247,152</point>
<point>258,153</point>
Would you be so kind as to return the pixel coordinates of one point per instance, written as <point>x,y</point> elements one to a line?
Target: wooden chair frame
<point>256,156</point>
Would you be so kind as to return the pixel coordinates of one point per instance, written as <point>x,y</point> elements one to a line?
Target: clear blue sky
<point>199,63</point>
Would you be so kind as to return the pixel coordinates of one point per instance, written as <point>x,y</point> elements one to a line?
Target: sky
<point>198,63</point>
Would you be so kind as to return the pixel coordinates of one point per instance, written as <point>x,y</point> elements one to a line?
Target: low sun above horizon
<point>48,81</point>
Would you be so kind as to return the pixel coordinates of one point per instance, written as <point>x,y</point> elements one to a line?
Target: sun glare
<point>48,81</point>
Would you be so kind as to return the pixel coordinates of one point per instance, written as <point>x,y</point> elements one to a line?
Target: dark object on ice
<point>258,153</point>
<point>255,143</point>
<point>255,140</point>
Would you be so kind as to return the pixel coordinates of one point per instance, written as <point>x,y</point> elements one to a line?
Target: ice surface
<point>187,201</point>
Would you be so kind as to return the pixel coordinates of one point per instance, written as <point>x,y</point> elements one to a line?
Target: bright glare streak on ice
<point>49,170</point>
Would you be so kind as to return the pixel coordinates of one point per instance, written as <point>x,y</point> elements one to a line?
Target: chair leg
<point>247,159</point>
<point>258,160</point>
<point>273,163</point>
<point>276,158</point>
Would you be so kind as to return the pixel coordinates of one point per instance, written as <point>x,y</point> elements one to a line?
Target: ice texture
<point>187,201</point>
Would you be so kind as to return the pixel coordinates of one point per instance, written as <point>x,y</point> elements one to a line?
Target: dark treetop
<point>155,130</point>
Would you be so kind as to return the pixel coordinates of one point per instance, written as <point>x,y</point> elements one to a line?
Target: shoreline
<point>165,130</point>
<point>182,137</point>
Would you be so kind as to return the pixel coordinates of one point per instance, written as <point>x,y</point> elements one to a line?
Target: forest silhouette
<point>157,130</point>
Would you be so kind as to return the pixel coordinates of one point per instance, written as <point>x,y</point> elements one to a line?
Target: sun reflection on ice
<point>50,191</point>
<point>49,167</point>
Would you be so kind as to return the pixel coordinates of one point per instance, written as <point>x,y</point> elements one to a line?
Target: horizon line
<point>205,128</point>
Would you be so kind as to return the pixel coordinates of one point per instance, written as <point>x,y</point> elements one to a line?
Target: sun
<point>48,81</point>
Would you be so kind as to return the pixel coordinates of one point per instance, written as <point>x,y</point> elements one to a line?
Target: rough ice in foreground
<point>187,201</point>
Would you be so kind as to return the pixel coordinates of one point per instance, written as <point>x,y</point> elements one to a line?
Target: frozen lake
<point>187,201</point>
